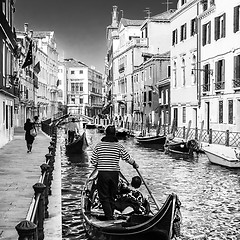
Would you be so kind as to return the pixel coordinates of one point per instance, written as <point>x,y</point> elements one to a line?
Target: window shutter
<point>224,25</point>
<point>185,31</point>
<point>204,35</point>
<point>223,70</point>
<point>172,38</point>
<point>209,32</point>
<point>176,36</point>
<point>204,75</point>
<point>216,28</point>
<point>216,72</point>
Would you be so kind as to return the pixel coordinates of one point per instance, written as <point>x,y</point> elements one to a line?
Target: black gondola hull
<point>77,146</point>
<point>152,140</point>
<point>135,227</point>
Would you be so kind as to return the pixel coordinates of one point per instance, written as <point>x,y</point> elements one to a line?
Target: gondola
<point>90,126</point>
<point>78,145</point>
<point>121,133</point>
<point>151,139</point>
<point>181,146</point>
<point>163,224</point>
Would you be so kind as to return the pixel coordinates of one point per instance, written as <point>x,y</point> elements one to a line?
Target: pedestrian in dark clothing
<point>28,137</point>
<point>106,156</point>
<point>72,130</point>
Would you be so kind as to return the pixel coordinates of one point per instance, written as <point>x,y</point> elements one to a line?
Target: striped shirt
<point>106,156</point>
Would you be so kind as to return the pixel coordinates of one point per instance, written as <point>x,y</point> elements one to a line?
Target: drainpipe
<point>198,57</point>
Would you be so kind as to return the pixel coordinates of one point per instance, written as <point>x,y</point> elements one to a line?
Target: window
<point>72,72</point>
<point>7,117</point>
<point>183,1</point>
<point>206,38</point>
<point>81,100</point>
<point>169,71</point>
<point>220,112</point>
<point>204,4</point>
<point>81,72</point>
<point>206,78</point>
<point>3,112</point>
<point>175,74</point>
<point>237,67</point>
<point>220,74</point>
<point>236,19</point>
<point>220,26</point>
<point>11,117</point>
<point>183,72</point>
<point>174,37</point>
<point>230,111</point>
<point>184,114</point>
<point>183,35</point>
<point>150,72</point>
<point>193,26</point>
<point>149,96</point>
<point>4,63</point>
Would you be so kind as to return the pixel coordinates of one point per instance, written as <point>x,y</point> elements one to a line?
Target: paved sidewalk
<point>19,171</point>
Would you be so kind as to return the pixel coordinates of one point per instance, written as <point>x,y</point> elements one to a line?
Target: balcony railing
<point>236,83</point>
<point>219,86</point>
<point>138,42</point>
<point>206,87</point>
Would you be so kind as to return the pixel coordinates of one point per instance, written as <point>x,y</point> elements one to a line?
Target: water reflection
<point>209,193</point>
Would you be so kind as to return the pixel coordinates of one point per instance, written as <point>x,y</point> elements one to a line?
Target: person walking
<point>72,130</point>
<point>28,126</point>
<point>105,158</point>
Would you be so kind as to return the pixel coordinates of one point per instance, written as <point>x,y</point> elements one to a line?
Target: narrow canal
<point>209,193</point>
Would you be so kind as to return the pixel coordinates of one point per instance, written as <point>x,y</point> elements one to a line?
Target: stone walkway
<point>19,171</point>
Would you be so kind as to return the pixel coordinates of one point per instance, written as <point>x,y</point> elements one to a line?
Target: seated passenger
<point>130,200</point>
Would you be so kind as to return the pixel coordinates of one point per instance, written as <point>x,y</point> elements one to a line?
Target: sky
<point>80,25</point>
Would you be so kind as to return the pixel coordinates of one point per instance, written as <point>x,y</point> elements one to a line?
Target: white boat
<point>223,155</point>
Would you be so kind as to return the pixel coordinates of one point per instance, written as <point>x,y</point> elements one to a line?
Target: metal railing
<point>32,228</point>
<point>226,138</point>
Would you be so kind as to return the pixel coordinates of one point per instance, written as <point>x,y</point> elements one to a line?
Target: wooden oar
<point>155,201</point>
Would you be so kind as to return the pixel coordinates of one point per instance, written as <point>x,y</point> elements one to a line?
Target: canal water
<point>209,194</point>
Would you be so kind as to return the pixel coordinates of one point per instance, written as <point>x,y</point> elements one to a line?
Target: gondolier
<point>105,158</point>
<point>72,129</point>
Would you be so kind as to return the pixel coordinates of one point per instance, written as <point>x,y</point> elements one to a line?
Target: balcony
<point>135,42</point>
<point>236,83</point>
<point>206,87</point>
<point>219,86</point>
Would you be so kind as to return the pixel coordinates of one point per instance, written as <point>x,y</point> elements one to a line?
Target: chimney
<point>114,17</point>
<point>31,34</point>
<point>26,28</point>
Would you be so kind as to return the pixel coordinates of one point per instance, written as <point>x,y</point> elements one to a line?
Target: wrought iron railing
<point>219,86</point>
<point>236,83</point>
<point>226,138</point>
<point>206,87</point>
